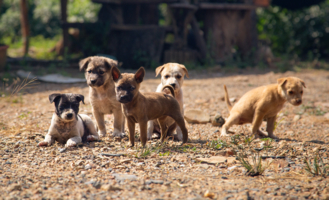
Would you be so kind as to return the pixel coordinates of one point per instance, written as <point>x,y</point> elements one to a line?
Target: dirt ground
<point>109,169</point>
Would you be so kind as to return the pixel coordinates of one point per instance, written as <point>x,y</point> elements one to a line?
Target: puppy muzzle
<point>68,116</point>
<point>297,102</point>
<point>124,99</point>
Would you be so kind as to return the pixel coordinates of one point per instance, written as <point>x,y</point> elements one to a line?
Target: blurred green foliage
<point>44,16</point>
<point>302,33</point>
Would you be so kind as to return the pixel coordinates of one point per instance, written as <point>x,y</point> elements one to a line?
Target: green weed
<point>318,167</point>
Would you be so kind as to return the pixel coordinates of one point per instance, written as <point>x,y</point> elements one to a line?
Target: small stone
<point>15,187</point>
<point>61,150</point>
<point>117,139</point>
<point>88,166</point>
<point>289,187</point>
<point>123,177</point>
<point>208,194</point>
<point>268,190</point>
<point>287,169</point>
<point>125,161</point>
<point>296,118</point>
<point>326,115</point>
<point>110,188</point>
<point>154,181</point>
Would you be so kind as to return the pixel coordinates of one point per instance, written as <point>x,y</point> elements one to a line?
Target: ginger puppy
<point>140,108</point>
<point>102,93</point>
<point>67,126</point>
<point>263,103</point>
<point>171,74</point>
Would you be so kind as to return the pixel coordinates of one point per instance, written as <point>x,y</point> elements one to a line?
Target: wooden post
<point>25,27</point>
<point>64,20</point>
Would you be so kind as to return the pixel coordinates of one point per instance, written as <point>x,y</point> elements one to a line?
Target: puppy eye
<point>132,88</point>
<point>291,92</point>
<point>301,92</point>
<point>167,76</point>
<point>178,76</point>
<point>119,88</point>
<point>89,71</point>
<point>101,72</point>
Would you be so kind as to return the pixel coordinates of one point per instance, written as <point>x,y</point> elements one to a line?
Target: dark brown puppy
<point>140,108</point>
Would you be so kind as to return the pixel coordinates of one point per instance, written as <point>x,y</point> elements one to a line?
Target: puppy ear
<point>303,83</point>
<point>282,81</point>
<point>139,75</point>
<point>109,63</point>
<point>158,70</point>
<point>84,63</point>
<point>80,97</point>
<point>185,70</point>
<point>116,74</point>
<point>54,97</point>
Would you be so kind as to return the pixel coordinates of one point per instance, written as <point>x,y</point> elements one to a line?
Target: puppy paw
<point>70,143</point>
<point>91,138</point>
<point>178,137</point>
<point>101,133</point>
<point>43,144</point>
<point>273,136</point>
<point>117,133</point>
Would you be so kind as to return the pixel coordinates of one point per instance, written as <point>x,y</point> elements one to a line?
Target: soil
<point>199,169</point>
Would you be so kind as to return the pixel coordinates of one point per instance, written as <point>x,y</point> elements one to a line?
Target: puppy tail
<point>228,103</point>
<point>170,88</point>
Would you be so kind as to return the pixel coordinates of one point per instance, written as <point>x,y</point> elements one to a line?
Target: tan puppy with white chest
<point>171,74</point>
<point>264,103</point>
<point>141,107</point>
<point>102,93</point>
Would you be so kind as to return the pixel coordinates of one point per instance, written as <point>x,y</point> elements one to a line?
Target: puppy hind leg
<point>93,133</point>
<point>163,127</point>
<point>150,129</point>
<point>181,123</point>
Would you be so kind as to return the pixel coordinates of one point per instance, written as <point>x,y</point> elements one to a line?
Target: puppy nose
<point>93,81</point>
<point>298,101</point>
<point>69,115</point>
<point>173,85</point>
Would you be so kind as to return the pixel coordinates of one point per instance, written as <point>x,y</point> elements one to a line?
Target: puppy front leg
<point>131,127</point>
<point>256,123</point>
<point>100,123</point>
<point>179,134</point>
<point>143,131</point>
<point>49,140</point>
<point>73,141</point>
<point>270,127</point>
<point>150,129</point>
<point>119,123</point>
<point>232,119</point>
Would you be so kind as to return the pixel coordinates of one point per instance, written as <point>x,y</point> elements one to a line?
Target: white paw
<point>90,138</point>
<point>43,143</point>
<point>101,133</point>
<point>224,133</point>
<point>179,137</point>
<point>70,143</point>
<point>117,133</point>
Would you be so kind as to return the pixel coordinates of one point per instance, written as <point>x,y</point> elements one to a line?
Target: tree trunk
<point>65,30</point>
<point>25,26</point>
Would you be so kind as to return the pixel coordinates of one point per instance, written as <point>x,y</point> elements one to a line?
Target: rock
<point>125,161</point>
<point>123,177</point>
<point>296,118</point>
<point>148,182</point>
<point>218,120</point>
<point>326,115</point>
<point>110,188</point>
<point>88,166</point>
<point>15,187</point>
<point>233,99</point>
<point>208,194</point>
<point>216,160</point>
<point>61,150</point>
<point>196,116</point>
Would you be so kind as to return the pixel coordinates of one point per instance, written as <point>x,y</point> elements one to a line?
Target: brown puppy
<point>171,74</point>
<point>102,93</point>
<point>263,103</point>
<point>140,108</point>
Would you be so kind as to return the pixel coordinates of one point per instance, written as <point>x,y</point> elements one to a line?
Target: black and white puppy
<point>67,126</point>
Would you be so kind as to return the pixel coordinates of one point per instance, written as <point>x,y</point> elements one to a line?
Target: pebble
<point>296,118</point>
<point>289,187</point>
<point>61,150</point>
<point>123,177</point>
<point>148,182</point>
